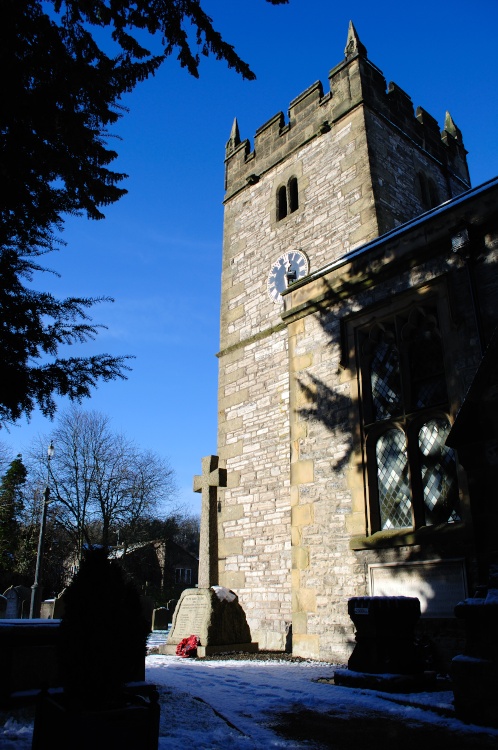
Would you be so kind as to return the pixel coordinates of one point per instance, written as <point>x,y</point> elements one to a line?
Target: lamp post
<point>34,610</point>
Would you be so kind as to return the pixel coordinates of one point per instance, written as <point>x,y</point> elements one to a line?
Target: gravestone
<point>47,609</point>
<point>3,606</point>
<point>29,655</point>
<point>475,673</point>
<point>385,656</point>
<point>53,609</point>
<point>147,604</point>
<point>385,634</point>
<point>18,601</point>
<point>161,618</point>
<point>211,612</point>
<point>171,606</point>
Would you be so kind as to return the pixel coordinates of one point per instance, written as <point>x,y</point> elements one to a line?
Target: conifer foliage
<point>62,82</point>
<point>11,506</point>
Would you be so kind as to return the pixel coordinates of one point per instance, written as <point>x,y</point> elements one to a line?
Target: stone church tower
<point>348,166</point>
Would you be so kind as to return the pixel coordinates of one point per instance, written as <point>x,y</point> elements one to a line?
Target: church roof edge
<point>445,207</point>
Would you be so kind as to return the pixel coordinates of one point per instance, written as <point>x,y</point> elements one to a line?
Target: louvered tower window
<point>287,198</point>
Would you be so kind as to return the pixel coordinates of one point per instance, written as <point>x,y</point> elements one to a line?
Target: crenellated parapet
<point>353,83</point>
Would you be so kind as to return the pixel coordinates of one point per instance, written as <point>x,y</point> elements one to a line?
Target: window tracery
<point>411,472</point>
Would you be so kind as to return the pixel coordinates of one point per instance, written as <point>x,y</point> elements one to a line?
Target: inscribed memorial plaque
<point>215,616</point>
<point>192,617</point>
<point>439,585</point>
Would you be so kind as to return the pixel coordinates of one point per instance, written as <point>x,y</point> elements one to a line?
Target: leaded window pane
<point>392,478</point>
<point>428,383</point>
<point>438,473</point>
<point>385,380</point>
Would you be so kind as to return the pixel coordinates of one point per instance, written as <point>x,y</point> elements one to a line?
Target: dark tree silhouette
<point>11,506</point>
<point>61,90</point>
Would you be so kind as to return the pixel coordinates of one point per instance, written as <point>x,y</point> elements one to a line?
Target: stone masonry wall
<point>327,478</point>
<point>336,211</point>
<point>285,485</point>
<point>354,83</point>
<point>395,166</point>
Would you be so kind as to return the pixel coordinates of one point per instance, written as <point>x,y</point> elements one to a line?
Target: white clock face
<point>286,270</point>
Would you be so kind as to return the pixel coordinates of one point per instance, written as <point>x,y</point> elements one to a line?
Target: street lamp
<point>34,610</point>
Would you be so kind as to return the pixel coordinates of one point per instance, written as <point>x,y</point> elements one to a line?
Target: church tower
<point>347,166</point>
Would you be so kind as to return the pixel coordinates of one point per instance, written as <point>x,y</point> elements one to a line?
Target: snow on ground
<point>212,705</point>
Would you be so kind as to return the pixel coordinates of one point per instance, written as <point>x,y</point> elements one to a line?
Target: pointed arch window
<point>287,198</point>
<point>411,472</point>
<point>293,195</point>
<point>281,202</point>
<point>428,191</point>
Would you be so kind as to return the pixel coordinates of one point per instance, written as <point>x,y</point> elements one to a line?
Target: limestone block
<point>302,472</point>
<point>230,546</point>
<point>355,524</point>
<point>232,450</point>
<point>296,328</point>
<point>299,623</point>
<point>234,314</point>
<point>270,640</point>
<point>231,512</point>
<point>233,290</point>
<point>296,536</point>
<point>300,558</point>
<point>306,646</point>
<point>234,579</point>
<point>302,515</point>
<point>294,495</point>
<point>301,362</point>
<point>295,578</point>
<point>304,600</point>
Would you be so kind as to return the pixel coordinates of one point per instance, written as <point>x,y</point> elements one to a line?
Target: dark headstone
<point>147,608</point>
<point>161,618</point>
<point>18,601</point>
<point>385,639</point>
<point>47,609</point>
<point>53,609</point>
<point>475,673</point>
<point>29,655</point>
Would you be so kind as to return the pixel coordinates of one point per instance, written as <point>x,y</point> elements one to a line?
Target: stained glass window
<point>438,470</point>
<point>392,475</point>
<point>412,474</point>
<point>385,379</point>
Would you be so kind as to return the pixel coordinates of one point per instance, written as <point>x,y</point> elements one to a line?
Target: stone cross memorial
<point>207,483</point>
<point>210,612</point>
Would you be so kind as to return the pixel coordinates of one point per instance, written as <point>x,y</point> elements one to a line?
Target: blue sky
<point>158,252</point>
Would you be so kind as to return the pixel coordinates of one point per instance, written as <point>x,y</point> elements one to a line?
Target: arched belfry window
<point>429,194</point>
<point>411,473</point>
<point>287,198</point>
<point>282,202</point>
<point>293,195</point>
<point>433,194</point>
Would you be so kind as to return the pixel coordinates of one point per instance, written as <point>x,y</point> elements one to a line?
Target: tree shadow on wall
<point>330,402</point>
<point>332,409</point>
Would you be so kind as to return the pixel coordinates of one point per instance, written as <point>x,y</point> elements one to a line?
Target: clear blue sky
<point>158,252</point>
